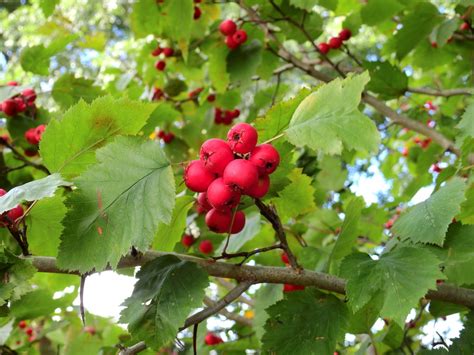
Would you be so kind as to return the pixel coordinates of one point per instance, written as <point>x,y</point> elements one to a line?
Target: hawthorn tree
<point>219,151</point>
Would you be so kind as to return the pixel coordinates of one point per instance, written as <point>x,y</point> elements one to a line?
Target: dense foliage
<point>350,194</point>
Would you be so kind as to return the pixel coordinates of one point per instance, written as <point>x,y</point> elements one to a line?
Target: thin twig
<point>247,254</point>
<point>20,157</point>
<point>441,93</point>
<point>229,315</point>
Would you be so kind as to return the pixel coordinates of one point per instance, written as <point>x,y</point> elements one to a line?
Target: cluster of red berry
<point>20,103</point>
<point>234,37</point>
<point>227,170</point>
<point>8,218</point>
<point>33,135</point>
<point>335,42</point>
<point>205,247</point>
<point>166,137</point>
<point>29,331</point>
<point>225,117</point>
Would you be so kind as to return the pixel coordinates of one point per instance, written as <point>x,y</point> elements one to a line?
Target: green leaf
<point>36,59</point>
<point>417,25</point>
<point>386,80</point>
<point>459,262</point>
<point>466,125</point>
<point>266,296</point>
<point>48,6</point>
<point>179,21</point>
<point>332,175</point>
<point>96,41</point>
<point>68,146</point>
<point>68,90</point>
<point>329,119</point>
<point>349,233</point>
<point>143,18</point>
<point>218,68</point>
<point>304,4</point>
<point>163,115</point>
<point>428,221</point>
<point>277,119</point>
<point>402,276</point>
<point>465,343</point>
<point>315,321</point>
<point>32,191</point>
<point>167,290</point>
<point>169,234</point>
<point>296,198</point>
<point>45,227</point>
<point>15,273</point>
<point>466,215</point>
<point>119,203</point>
<point>237,241</point>
<point>446,30</point>
<point>243,62</point>
<point>37,303</point>
<point>377,11</point>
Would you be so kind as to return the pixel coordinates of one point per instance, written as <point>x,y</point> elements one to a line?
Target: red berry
<point>15,213</point>
<point>197,1</point>
<point>238,223</point>
<point>197,13</point>
<point>436,168</point>
<point>389,224</point>
<point>160,65</point>
<point>157,51</point>
<point>345,34</point>
<point>29,331</point>
<point>20,104</point>
<point>221,196</point>
<point>196,177</point>
<point>425,143</point>
<point>266,158</point>
<point>464,26</point>
<point>202,203</point>
<point>231,43</point>
<point>227,27</point>
<point>434,44</point>
<point>29,95</point>
<point>157,94</point>
<point>2,192</point>
<point>291,288</point>
<point>22,324</point>
<point>284,258</point>
<point>168,52</point>
<point>13,83</point>
<point>9,106</point>
<point>30,136</point>
<point>187,240</point>
<point>241,175</point>
<point>31,152</point>
<point>211,98</point>
<point>240,36</point>
<point>324,48</point>
<point>161,134</point>
<point>219,221</point>
<point>242,138</point>
<point>228,117</point>
<point>235,113</point>
<point>261,188</point>
<point>168,138</point>
<point>405,152</point>
<point>206,247</point>
<point>216,155</point>
<point>335,42</point>
<point>212,339</point>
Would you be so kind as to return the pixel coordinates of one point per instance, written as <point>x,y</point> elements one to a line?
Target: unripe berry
<point>265,158</point>
<point>22,324</point>
<point>240,36</point>
<point>196,177</point>
<point>261,188</point>
<point>29,95</point>
<point>335,42</point>
<point>212,339</point>
<point>160,65</point>
<point>345,34</point>
<point>206,247</point>
<point>227,27</point>
<point>239,222</point>
<point>231,43</point>
<point>221,196</point>
<point>157,51</point>
<point>324,48</point>
<point>15,213</point>
<point>202,204</point>
<point>241,175</point>
<point>168,52</point>
<point>216,155</point>
<point>219,221</point>
<point>242,138</point>
<point>197,13</point>
<point>291,288</point>
<point>187,240</point>
<point>9,107</point>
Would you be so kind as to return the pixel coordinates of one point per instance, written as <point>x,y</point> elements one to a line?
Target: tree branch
<point>262,274</point>
<point>442,93</point>
<point>229,315</point>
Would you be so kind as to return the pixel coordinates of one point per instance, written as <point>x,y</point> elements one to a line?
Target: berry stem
<point>274,138</point>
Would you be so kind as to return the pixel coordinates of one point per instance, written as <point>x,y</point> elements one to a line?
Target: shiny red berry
<point>324,48</point>
<point>231,43</point>
<point>22,324</point>
<point>216,155</point>
<point>9,107</point>
<point>160,65</point>
<point>261,188</point>
<point>157,51</point>
<point>219,221</point>
<point>168,52</point>
<point>266,158</point>
<point>211,98</point>
<point>187,240</point>
<point>227,27</point>
<point>221,196</point>
<point>196,177</point>
<point>197,13</point>
<point>206,247</point>
<point>239,222</point>
<point>240,36</point>
<point>284,258</point>
<point>241,175</point>
<point>345,34</point>
<point>29,95</point>
<point>202,204</point>
<point>292,288</point>
<point>212,339</point>
<point>242,138</point>
<point>15,213</point>
<point>335,42</point>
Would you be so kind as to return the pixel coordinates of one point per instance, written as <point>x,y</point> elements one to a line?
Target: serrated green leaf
<point>179,21</point>
<point>143,18</point>
<point>118,204</point>
<point>37,303</point>
<point>349,233</point>
<point>386,80</point>
<point>316,321</point>
<point>32,191</point>
<point>402,276</point>
<point>276,120</point>
<point>68,146</point>
<point>466,125</point>
<point>243,62</point>
<point>296,198</point>
<point>376,11</point>
<point>48,6</point>
<point>218,68</point>
<point>45,227</point>
<point>466,215</point>
<point>428,221</point>
<point>169,234</point>
<point>266,296</point>
<point>465,343</point>
<point>16,272</point>
<point>304,4</point>
<point>417,25</point>
<point>68,90</point>
<point>329,119</point>
<point>459,262</point>
<point>167,290</point>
